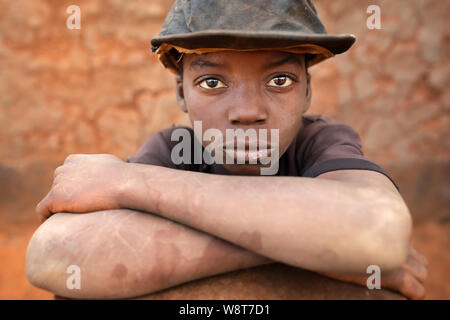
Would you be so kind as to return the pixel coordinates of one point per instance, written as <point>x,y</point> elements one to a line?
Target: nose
<point>247,108</point>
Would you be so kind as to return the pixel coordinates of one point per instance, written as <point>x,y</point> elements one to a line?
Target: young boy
<point>255,181</point>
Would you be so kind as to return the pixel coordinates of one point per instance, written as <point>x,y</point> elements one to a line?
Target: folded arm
<point>340,222</point>
<point>125,253</point>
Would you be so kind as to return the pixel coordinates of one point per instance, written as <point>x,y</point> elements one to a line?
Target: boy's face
<point>237,89</point>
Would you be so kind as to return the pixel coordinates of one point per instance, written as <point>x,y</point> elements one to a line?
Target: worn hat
<point>200,26</point>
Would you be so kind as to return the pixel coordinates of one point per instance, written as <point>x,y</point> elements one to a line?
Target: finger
<point>56,180</point>
<point>43,208</point>
<point>71,158</point>
<point>413,289</point>
<point>418,256</point>
<point>416,268</point>
<point>407,285</point>
<point>58,170</point>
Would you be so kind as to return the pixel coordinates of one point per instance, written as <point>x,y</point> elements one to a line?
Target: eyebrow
<point>287,60</point>
<point>291,59</point>
<point>204,63</point>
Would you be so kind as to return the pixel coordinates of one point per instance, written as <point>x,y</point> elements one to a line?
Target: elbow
<point>47,258</point>
<point>388,243</point>
<point>32,267</point>
<point>66,257</point>
<point>37,267</point>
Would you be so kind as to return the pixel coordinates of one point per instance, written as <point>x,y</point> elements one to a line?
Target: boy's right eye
<point>211,83</point>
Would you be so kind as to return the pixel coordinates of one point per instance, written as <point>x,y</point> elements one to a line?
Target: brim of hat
<point>245,40</point>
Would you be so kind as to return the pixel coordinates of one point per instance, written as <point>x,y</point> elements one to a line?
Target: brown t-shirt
<point>321,145</point>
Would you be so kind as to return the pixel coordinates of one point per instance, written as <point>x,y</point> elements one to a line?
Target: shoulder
<point>319,119</point>
<point>157,148</point>
<point>313,124</point>
<point>329,148</point>
<point>320,132</point>
<point>165,135</point>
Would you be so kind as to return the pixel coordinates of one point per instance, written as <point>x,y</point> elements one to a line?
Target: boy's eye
<point>280,81</point>
<point>212,83</point>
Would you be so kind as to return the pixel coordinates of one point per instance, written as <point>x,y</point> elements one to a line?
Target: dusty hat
<point>200,26</point>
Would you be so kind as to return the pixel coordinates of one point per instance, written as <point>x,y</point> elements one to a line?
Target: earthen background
<point>100,90</point>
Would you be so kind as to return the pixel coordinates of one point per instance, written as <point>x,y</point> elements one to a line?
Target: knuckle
<point>415,290</point>
<point>424,259</point>
<point>58,171</point>
<point>410,287</point>
<point>417,269</point>
<point>420,257</point>
<point>423,273</point>
<point>69,158</point>
<point>38,208</point>
<point>407,282</point>
<point>54,195</point>
<point>402,279</point>
<point>51,196</point>
<point>72,157</point>
<point>57,191</point>
<point>51,207</point>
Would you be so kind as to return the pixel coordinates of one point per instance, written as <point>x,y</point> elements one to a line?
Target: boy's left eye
<point>280,81</point>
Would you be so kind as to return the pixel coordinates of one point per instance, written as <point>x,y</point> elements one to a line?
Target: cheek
<point>289,126</point>
<point>290,110</point>
<point>194,105</point>
<point>198,111</point>
<point>205,109</point>
<point>289,118</point>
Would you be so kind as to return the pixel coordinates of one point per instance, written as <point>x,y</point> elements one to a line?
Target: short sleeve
<point>330,145</point>
<point>155,151</point>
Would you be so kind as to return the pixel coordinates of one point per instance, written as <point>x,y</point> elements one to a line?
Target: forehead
<point>265,59</point>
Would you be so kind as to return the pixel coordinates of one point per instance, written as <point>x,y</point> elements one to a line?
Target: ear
<point>308,92</point>
<point>180,93</point>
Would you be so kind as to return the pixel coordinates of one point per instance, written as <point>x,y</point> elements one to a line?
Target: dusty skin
<point>161,254</point>
<point>176,260</point>
<point>330,223</point>
<point>203,255</point>
<point>172,253</point>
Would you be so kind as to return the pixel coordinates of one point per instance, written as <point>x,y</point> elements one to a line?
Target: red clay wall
<point>100,90</point>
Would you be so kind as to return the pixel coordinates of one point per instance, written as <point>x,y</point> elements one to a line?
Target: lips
<point>247,143</point>
<point>246,156</point>
<point>243,154</point>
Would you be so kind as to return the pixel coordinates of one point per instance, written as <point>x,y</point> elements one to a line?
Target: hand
<point>85,183</point>
<point>408,279</point>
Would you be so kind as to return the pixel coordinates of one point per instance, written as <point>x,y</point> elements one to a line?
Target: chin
<point>244,169</point>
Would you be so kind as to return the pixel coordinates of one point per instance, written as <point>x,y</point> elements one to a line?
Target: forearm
<point>124,253</point>
<point>316,224</point>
